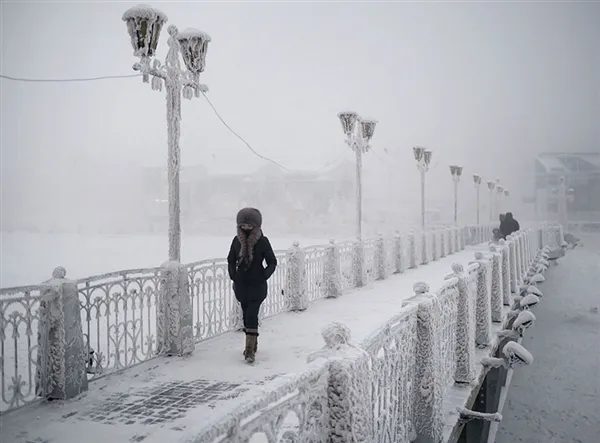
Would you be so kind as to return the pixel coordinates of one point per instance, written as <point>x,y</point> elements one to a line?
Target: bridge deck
<point>164,399</point>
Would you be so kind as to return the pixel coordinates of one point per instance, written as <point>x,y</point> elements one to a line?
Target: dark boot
<point>251,337</point>
<point>255,345</point>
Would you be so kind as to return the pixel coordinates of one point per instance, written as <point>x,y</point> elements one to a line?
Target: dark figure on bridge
<point>249,249</point>
<point>509,225</point>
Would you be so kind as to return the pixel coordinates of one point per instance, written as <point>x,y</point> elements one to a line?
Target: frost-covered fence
<point>131,316</point>
<point>409,363</point>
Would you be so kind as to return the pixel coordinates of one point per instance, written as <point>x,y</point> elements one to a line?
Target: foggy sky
<point>483,85</point>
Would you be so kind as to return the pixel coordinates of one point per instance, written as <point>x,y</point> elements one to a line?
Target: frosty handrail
<point>271,393</point>
<point>122,273</point>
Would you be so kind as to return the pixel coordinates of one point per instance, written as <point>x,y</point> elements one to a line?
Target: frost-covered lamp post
<point>506,195</point>
<point>499,194</point>
<point>477,181</point>
<point>491,186</point>
<point>358,133</point>
<point>144,25</point>
<point>456,172</point>
<point>423,158</point>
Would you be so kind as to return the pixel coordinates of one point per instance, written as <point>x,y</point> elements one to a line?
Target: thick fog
<point>486,86</point>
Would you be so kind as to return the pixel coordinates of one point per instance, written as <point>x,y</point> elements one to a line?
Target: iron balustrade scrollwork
<point>448,296</point>
<point>290,408</point>
<point>391,349</point>
<point>119,315</point>
<point>315,264</point>
<point>19,320</point>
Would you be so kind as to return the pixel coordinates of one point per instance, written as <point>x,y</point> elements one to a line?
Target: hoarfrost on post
<point>483,313</point>
<point>332,271</point>
<point>297,284</point>
<point>428,413</point>
<point>412,251</point>
<point>496,295</point>
<point>465,325</point>
<point>350,409</point>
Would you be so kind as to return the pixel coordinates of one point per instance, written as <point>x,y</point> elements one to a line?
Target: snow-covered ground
<point>557,399</point>
<point>28,259</point>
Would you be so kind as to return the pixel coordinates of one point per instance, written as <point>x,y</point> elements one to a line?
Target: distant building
<point>582,176</point>
<point>292,195</point>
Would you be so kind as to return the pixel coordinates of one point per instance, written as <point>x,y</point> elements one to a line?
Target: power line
<point>66,80</point>
<point>107,77</point>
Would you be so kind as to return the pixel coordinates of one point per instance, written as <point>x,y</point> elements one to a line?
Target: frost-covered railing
<point>19,318</point>
<point>128,317</point>
<point>392,387</point>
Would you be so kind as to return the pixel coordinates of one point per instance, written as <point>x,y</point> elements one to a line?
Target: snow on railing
<point>120,311</point>
<point>412,360</point>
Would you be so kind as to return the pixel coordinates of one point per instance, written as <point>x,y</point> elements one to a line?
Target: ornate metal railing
<point>411,361</point>
<point>295,409</point>
<point>392,349</point>
<point>19,318</point>
<point>118,316</point>
<point>119,311</point>
<point>314,265</point>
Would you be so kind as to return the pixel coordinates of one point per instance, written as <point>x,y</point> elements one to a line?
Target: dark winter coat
<point>250,280</point>
<point>509,225</point>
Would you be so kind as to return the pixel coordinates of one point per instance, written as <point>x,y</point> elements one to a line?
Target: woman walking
<point>249,249</point>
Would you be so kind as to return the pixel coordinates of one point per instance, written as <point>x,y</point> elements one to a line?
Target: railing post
<point>434,255</point>
<point>350,415</point>
<point>62,352</point>
<point>398,253</point>
<point>296,292</point>
<point>443,242</point>
<point>506,290</point>
<point>332,274</point>
<point>358,263</point>
<point>483,312</point>
<point>513,264</point>
<point>496,296</point>
<point>174,329</point>
<point>424,254</point>
<point>451,241</point>
<point>464,351</point>
<point>412,250</point>
<point>428,408</point>
<point>380,268</point>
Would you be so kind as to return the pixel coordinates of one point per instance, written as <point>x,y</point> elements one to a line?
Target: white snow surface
<point>285,342</point>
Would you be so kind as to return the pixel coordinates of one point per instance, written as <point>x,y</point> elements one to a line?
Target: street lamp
<point>144,25</point>
<point>423,158</point>
<point>456,172</point>
<point>499,194</point>
<point>358,133</point>
<point>491,186</point>
<point>506,195</point>
<point>477,181</point>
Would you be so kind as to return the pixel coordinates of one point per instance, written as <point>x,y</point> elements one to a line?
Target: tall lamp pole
<point>423,158</point>
<point>456,172</point>
<point>491,186</point>
<point>477,181</point>
<point>358,133</point>
<point>144,25</point>
<point>506,202</point>
<point>499,194</point>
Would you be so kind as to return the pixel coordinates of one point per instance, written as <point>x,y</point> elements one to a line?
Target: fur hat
<point>250,216</point>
